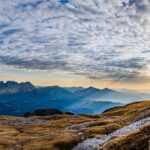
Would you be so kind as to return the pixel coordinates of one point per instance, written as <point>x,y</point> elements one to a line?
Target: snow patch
<point>96,143</point>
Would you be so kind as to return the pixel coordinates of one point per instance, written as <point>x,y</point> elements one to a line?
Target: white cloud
<point>82,37</point>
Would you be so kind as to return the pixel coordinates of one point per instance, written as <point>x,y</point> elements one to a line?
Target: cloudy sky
<point>101,43</point>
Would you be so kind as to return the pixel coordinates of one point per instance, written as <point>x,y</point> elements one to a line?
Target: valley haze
<point>19,98</point>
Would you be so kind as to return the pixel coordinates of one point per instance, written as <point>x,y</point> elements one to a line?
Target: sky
<point>101,43</point>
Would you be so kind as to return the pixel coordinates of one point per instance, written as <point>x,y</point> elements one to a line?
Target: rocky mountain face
<point>12,87</point>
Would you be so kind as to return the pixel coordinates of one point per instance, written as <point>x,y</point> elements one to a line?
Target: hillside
<point>66,131</point>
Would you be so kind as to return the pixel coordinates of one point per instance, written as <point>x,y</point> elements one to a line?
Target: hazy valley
<point>19,98</point>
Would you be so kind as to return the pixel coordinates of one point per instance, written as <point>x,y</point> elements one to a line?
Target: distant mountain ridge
<point>19,98</point>
<point>73,89</point>
<point>92,91</point>
<point>11,87</point>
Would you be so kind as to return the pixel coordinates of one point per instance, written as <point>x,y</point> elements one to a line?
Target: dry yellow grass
<point>63,132</point>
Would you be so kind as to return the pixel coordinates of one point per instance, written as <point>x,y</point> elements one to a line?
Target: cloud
<point>102,40</point>
<point>133,63</point>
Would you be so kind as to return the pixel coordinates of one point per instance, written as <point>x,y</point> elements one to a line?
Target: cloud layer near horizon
<point>99,39</point>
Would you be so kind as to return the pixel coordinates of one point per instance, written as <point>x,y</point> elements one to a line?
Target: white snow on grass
<point>95,143</point>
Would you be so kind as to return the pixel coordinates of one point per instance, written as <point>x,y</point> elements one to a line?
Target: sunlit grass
<point>63,132</point>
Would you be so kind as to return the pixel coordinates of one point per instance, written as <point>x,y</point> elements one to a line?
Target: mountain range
<point>19,98</point>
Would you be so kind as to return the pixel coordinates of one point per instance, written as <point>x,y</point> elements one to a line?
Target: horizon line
<point>85,87</point>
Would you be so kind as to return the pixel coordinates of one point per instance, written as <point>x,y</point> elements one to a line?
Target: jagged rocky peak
<point>11,87</point>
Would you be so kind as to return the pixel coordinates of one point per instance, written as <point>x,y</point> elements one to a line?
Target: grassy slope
<point>62,132</point>
<point>131,112</point>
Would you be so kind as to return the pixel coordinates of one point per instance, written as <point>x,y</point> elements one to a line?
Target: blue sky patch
<point>64,1</point>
